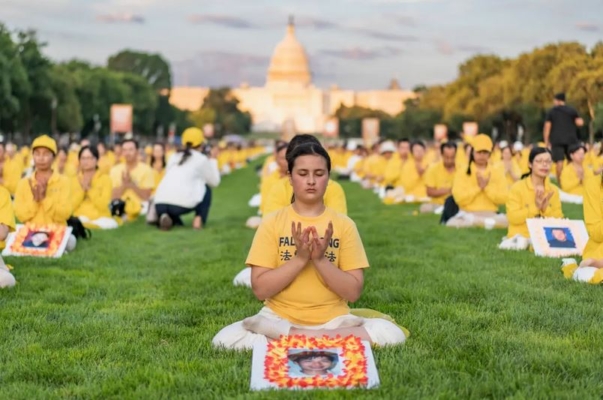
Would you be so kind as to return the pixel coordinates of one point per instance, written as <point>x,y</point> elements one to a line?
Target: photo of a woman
<point>304,362</point>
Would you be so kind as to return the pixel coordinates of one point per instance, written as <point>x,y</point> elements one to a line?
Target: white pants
<point>517,242</point>
<point>482,219</point>
<point>237,337</point>
<point>102,222</point>
<point>570,198</point>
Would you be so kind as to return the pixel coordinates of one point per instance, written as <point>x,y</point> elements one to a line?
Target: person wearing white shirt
<point>186,186</point>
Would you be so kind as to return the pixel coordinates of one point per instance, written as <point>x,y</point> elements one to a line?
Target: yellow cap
<point>482,142</point>
<point>194,136</point>
<point>45,141</point>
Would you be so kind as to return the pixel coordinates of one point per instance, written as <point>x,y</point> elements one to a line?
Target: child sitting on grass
<point>307,263</point>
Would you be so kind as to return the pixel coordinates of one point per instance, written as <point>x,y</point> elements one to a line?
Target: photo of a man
<point>560,238</point>
<point>37,240</point>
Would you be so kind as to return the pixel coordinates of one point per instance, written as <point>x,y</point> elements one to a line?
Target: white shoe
<point>6,278</point>
<point>243,278</point>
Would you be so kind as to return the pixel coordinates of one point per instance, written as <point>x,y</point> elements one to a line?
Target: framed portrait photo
<point>299,362</point>
<point>554,237</point>
<point>37,240</point>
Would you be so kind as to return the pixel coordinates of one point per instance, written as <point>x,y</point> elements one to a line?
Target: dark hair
<point>311,354</point>
<point>574,148</point>
<point>101,143</point>
<point>535,152</point>
<point>510,149</point>
<point>560,96</point>
<point>281,146</point>
<point>447,145</point>
<point>299,140</point>
<point>92,150</point>
<point>63,149</point>
<point>305,150</point>
<point>130,141</point>
<point>471,159</point>
<point>404,140</point>
<point>417,143</point>
<point>163,162</point>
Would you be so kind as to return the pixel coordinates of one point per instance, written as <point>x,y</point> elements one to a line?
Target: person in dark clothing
<point>560,240</point>
<point>561,130</point>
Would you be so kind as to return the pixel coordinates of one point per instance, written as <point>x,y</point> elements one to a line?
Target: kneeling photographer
<point>186,187</point>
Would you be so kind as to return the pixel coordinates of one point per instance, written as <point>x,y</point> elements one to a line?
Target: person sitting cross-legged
<point>133,182</point>
<point>307,263</point>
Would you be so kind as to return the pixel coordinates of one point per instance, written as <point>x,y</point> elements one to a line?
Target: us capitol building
<point>290,98</point>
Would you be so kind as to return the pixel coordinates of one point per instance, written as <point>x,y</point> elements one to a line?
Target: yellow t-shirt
<point>521,205</point>
<point>514,167</point>
<point>93,204</point>
<point>468,195</point>
<point>157,176</point>
<point>593,217</point>
<point>55,208</point>
<point>142,176</point>
<point>411,181</point>
<point>106,162</point>
<point>282,192</point>
<point>570,183</point>
<point>393,167</point>
<point>438,177</point>
<point>307,300</point>
<point>12,170</point>
<point>7,214</point>
<point>266,186</point>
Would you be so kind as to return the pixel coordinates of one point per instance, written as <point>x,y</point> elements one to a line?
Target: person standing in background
<point>561,130</point>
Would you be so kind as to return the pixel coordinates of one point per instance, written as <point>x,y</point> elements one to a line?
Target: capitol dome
<point>289,63</point>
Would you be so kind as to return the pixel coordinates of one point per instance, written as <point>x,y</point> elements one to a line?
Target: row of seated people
<point>49,195</point>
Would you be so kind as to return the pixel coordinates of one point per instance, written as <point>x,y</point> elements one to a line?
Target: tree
<point>228,117</point>
<point>68,112</point>
<point>37,105</point>
<point>144,100</point>
<point>14,86</point>
<point>152,67</point>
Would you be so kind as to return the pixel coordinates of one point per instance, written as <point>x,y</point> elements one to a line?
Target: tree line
<point>507,97</point>
<point>38,95</point>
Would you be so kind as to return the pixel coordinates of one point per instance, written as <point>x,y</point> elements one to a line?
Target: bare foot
<point>197,223</point>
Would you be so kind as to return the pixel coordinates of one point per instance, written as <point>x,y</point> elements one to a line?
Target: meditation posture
<point>439,178</point>
<point>158,163</point>
<point>480,190</point>
<point>575,172</point>
<point>412,174</point>
<point>532,197</point>
<point>133,182</point>
<point>509,165</point>
<point>307,263</point>
<point>44,197</point>
<point>91,192</point>
<point>186,186</point>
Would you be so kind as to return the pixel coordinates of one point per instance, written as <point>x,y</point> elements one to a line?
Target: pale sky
<point>356,44</point>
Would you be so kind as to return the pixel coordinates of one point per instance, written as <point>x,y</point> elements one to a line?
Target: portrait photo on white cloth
<point>557,237</point>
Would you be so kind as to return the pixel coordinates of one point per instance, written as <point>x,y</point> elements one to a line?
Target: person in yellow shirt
<point>411,176</point>
<point>592,255</point>
<point>307,248</point>
<point>118,153</point>
<point>45,197</point>
<point>372,167</point>
<point>158,163</point>
<point>480,190</point>
<point>62,164</point>
<point>106,159</point>
<point>11,165</point>
<point>439,178</point>
<point>392,165</point>
<point>575,173</point>
<point>509,165</point>
<point>282,194</point>
<point>7,217</point>
<point>91,192</point>
<point>133,183</point>
<point>534,196</point>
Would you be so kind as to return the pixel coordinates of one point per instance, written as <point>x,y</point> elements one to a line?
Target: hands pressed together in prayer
<point>38,189</point>
<point>482,181</point>
<point>311,246</point>
<point>542,198</point>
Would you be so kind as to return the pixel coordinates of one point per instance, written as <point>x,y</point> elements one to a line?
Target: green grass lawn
<point>131,313</point>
